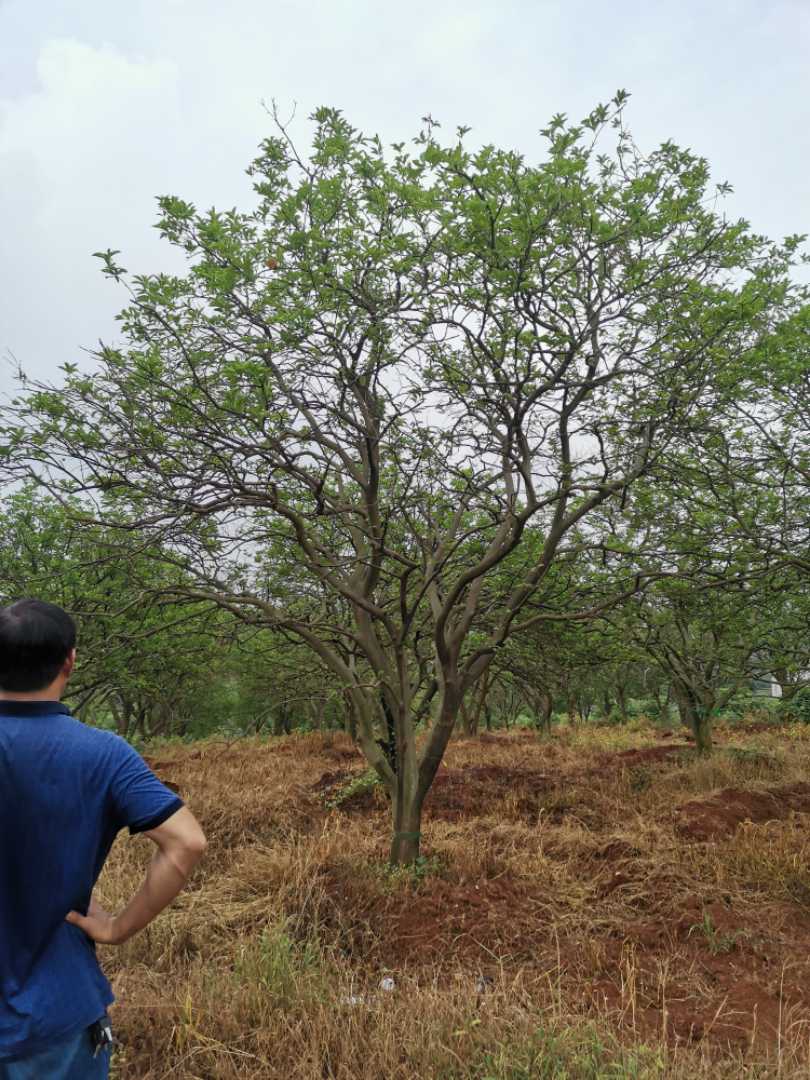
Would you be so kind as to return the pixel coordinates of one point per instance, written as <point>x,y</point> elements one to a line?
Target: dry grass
<point>562,924</point>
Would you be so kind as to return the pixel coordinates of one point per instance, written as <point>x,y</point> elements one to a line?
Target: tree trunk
<point>414,773</point>
<point>122,713</point>
<point>160,719</point>
<point>315,715</point>
<point>696,715</point>
<point>703,732</point>
<point>621,701</point>
<point>281,721</point>
<point>351,721</point>
<point>466,716</point>
<point>662,698</point>
<point>546,709</point>
<point>572,708</point>
<point>408,793</point>
<point>789,689</point>
<point>478,703</point>
<point>405,842</point>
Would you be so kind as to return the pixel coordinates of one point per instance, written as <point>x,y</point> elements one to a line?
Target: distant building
<point>766,686</point>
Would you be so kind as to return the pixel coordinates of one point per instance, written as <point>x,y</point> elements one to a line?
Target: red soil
<point>719,816</point>
<point>732,976</point>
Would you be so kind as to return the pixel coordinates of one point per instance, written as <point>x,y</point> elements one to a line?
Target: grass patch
<point>772,859</point>
<point>580,1052</point>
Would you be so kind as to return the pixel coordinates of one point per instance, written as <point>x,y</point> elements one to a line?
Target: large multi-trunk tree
<point>381,405</point>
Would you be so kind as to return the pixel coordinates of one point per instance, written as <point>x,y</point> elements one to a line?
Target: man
<point>65,791</point>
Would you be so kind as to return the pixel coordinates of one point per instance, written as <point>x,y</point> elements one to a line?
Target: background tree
<point>725,609</point>
<point>144,662</point>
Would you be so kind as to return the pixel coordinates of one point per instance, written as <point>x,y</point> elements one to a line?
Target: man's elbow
<point>194,844</point>
<point>181,840</point>
<point>185,853</point>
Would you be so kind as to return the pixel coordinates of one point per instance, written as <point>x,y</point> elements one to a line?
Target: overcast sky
<point>104,105</point>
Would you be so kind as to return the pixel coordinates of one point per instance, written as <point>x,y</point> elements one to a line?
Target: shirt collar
<point>33,708</point>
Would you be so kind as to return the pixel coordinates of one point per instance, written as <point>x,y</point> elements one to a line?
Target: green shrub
<point>641,706</point>
<point>798,707</point>
<point>613,718</point>
<point>661,712</point>
<point>741,705</point>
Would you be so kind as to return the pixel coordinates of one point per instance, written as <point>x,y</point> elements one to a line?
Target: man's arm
<point>180,842</point>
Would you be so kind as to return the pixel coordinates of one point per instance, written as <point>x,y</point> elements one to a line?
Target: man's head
<point>37,642</point>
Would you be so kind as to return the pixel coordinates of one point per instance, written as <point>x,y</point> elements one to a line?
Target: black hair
<point>35,640</point>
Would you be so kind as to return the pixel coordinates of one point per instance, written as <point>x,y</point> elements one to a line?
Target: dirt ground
<point>599,876</point>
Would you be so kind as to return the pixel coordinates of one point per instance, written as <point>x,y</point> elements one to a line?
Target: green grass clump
<point>358,785</point>
<point>573,1053</point>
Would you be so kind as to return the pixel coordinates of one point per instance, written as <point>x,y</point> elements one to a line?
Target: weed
<point>797,886</point>
<point>576,1053</point>
<point>753,762</point>
<point>279,966</point>
<point>639,778</point>
<point>358,785</point>
<point>422,868</point>
<point>718,942</point>
<point>773,858</point>
<point>798,707</point>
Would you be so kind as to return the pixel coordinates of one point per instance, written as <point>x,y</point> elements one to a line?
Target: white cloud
<point>103,106</point>
<point>78,168</point>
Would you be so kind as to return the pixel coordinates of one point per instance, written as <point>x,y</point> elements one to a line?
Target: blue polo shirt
<point>65,791</point>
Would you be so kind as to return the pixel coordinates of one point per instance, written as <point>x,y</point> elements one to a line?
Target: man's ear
<point>69,664</point>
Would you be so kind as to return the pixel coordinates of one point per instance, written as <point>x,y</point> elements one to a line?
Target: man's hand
<point>98,924</point>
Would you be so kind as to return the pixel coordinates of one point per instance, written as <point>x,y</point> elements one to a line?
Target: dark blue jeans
<point>71,1059</point>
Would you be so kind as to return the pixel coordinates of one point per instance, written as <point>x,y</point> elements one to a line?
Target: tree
<point>279,686</point>
<point>410,376</point>
<point>553,662</point>
<point>761,456</point>
<point>703,642</point>
<point>726,607</point>
<point>141,658</point>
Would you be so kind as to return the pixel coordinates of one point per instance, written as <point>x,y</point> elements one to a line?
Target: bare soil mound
<point>472,791</point>
<point>473,923</point>
<point>647,755</point>
<point>719,815</point>
<point>479,790</point>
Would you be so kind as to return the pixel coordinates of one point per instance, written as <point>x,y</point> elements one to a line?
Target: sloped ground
<point>597,904</point>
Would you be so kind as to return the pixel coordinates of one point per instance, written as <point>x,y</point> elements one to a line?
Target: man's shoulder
<point>102,741</point>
